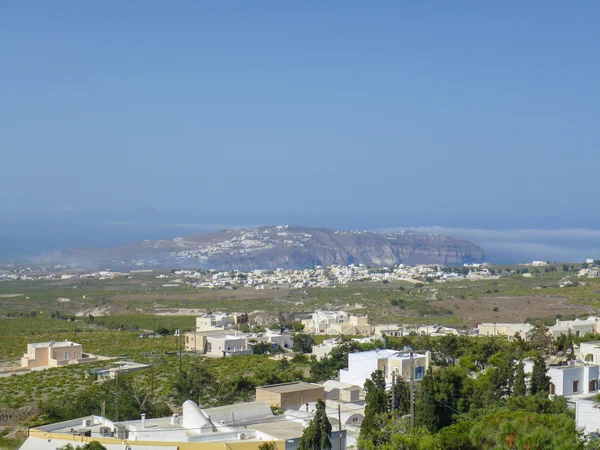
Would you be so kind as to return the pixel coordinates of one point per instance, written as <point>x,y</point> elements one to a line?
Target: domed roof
<point>195,419</point>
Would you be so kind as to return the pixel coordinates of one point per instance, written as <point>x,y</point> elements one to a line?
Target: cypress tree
<point>540,381</point>
<point>317,435</point>
<point>519,387</point>
<point>400,396</point>
<point>569,345</point>
<point>376,399</point>
<point>425,406</point>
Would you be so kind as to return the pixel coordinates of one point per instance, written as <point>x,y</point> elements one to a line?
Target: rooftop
<point>294,386</point>
<point>53,344</point>
<point>385,354</point>
<point>281,429</point>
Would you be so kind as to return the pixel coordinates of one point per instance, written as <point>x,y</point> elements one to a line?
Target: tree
<point>267,446</point>
<point>540,338</point>
<point>400,396</point>
<point>376,400</point>
<point>303,343</point>
<point>92,445</point>
<point>519,387</point>
<point>163,331</point>
<point>318,433</point>
<point>425,406</point>
<point>196,384</point>
<point>569,346</point>
<point>540,381</point>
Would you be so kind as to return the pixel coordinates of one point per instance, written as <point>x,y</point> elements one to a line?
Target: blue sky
<point>425,113</point>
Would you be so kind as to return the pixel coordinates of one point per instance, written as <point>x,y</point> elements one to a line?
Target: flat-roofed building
<point>51,354</point>
<point>288,395</point>
<point>509,330</point>
<point>578,327</point>
<point>406,364</point>
<point>590,351</point>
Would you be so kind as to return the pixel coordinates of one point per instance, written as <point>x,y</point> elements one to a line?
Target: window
<point>593,385</point>
<point>419,372</point>
<point>575,385</point>
<point>74,354</point>
<point>552,389</point>
<point>66,355</point>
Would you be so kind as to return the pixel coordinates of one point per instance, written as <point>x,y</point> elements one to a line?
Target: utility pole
<point>179,338</point>
<point>152,382</point>
<point>394,391</point>
<point>339,427</point>
<point>117,396</point>
<point>412,392</point>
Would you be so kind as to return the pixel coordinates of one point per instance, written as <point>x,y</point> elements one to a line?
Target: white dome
<point>194,419</point>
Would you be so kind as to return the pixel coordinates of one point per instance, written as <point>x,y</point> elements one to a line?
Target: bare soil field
<point>513,309</point>
<point>201,294</point>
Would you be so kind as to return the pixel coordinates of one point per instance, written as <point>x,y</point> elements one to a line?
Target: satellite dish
<point>569,351</point>
<point>560,353</point>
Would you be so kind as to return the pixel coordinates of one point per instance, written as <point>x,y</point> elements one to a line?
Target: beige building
<point>388,330</point>
<point>288,395</point>
<point>505,329</point>
<point>356,325</point>
<point>336,322</point>
<point>51,354</point>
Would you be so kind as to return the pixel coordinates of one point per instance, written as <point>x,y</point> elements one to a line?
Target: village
<point>573,374</point>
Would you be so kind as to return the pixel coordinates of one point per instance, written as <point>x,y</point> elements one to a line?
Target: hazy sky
<point>424,109</point>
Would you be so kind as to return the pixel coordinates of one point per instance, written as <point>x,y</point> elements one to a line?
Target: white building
<point>573,379</point>
<point>587,415</point>
<point>242,426</point>
<point>227,345</point>
<point>578,327</point>
<point>405,364</point>
<point>590,351</point>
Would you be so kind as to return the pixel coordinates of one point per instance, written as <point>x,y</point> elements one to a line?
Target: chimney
<point>143,420</point>
<point>175,419</point>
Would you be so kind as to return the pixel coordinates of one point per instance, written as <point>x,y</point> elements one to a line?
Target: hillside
<point>283,246</point>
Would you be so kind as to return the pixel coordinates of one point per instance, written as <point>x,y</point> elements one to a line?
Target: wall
<point>358,370</point>
<point>58,353</point>
<point>586,416</point>
<point>40,357</point>
<point>289,399</point>
<point>230,445</point>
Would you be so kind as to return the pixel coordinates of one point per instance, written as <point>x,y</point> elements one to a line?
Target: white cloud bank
<point>526,245</point>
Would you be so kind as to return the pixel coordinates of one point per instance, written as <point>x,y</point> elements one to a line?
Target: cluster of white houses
<point>246,426</point>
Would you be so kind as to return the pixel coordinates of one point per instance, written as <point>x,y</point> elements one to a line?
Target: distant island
<point>282,246</point>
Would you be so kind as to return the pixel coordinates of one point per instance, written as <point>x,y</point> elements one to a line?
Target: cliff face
<point>293,247</point>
